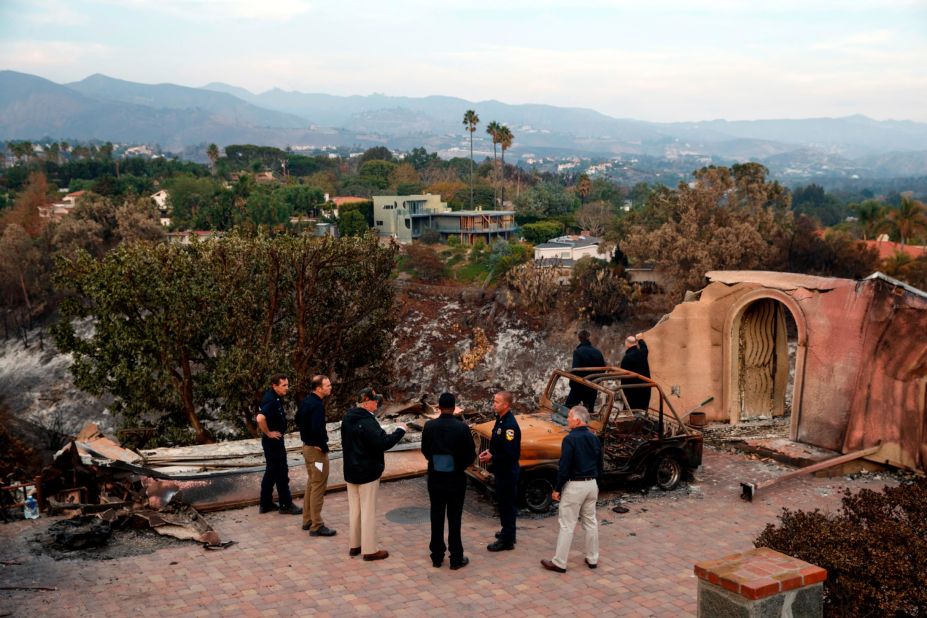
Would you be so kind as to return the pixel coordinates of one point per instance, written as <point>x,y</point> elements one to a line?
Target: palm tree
<point>213,153</point>
<point>909,219</point>
<point>871,217</point>
<point>505,140</point>
<point>583,188</point>
<point>470,121</point>
<point>493,129</point>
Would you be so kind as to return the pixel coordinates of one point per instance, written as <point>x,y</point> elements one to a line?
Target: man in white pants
<point>577,490</point>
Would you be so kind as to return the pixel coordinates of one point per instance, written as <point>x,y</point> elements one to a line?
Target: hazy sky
<point>660,60</point>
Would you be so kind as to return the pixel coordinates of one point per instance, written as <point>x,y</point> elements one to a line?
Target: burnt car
<point>652,445</point>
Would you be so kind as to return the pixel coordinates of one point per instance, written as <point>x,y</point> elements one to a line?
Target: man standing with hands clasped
<point>577,490</point>
<point>310,418</point>
<point>503,455</point>
<point>448,447</point>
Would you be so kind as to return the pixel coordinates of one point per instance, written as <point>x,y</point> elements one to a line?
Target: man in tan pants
<point>577,490</point>
<point>363,443</point>
<point>310,418</point>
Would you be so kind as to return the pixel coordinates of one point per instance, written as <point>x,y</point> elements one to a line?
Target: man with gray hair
<point>577,490</point>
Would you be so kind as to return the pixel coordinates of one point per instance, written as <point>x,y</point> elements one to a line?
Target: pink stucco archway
<point>730,354</point>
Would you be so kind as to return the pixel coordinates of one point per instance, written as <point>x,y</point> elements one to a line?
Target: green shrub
<point>874,550</point>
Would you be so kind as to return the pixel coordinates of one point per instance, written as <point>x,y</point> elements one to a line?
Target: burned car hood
<point>540,436</point>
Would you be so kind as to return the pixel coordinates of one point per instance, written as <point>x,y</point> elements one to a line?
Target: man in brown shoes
<point>363,443</point>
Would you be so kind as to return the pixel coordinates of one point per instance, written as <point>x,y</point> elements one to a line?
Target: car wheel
<point>667,473</point>
<point>536,492</point>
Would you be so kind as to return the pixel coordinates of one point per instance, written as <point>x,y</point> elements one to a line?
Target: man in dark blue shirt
<point>271,420</point>
<point>448,446</point>
<point>310,418</point>
<point>577,490</point>
<point>585,355</point>
<point>503,455</point>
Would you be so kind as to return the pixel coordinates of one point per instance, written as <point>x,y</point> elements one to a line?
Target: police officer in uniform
<point>503,454</point>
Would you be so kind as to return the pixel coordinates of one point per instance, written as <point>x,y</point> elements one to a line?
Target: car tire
<point>667,472</point>
<point>536,492</point>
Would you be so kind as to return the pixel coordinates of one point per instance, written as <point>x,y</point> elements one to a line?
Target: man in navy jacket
<point>310,418</point>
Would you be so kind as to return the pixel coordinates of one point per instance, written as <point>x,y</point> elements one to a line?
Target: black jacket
<point>310,418</point>
<point>448,435</point>
<point>635,359</point>
<point>587,355</point>
<point>363,443</point>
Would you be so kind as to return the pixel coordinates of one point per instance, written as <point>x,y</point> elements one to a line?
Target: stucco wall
<point>860,367</point>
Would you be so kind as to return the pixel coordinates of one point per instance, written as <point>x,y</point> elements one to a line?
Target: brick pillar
<point>759,583</point>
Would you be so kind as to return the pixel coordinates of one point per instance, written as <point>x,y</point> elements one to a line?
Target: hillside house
<point>566,250</point>
<point>406,217</point>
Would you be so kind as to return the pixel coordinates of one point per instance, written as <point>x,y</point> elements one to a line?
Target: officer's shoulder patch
<point>509,434</point>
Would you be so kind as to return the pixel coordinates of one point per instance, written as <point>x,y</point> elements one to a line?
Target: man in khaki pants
<point>577,490</point>
<point>310,418</point>
<point>363,443</point>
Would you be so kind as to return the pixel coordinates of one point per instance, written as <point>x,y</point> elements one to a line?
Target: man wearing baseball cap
<point>363,443</point>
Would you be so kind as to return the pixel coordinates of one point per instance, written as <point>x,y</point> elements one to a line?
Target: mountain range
<point>175,117</point>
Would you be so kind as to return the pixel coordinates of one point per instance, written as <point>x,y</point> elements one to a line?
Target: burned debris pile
<point>101,486</point>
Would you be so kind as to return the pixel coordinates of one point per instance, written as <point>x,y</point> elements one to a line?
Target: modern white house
<point>406,217</point>
<point>567,249</point>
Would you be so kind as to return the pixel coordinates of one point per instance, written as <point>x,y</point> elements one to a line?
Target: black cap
<point>447,402</point>
<point>369,394</point>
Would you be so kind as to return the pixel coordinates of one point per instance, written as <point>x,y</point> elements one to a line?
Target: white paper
<point>318,466</point>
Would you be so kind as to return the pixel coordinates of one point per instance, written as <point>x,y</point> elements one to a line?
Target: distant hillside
<point>104,108</point>
<point>168,96</point>
<point>32,107</point>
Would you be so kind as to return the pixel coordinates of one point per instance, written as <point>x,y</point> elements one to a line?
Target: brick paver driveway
<point>276,569</point>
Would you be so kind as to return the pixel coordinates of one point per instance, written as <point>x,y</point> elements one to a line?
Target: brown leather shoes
<point>550,566</point>
<point>354,551</point>
<point>380,555</point>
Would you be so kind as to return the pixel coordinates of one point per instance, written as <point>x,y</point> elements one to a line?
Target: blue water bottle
<point>31,510</point>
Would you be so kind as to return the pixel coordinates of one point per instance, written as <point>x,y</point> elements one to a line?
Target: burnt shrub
<point>874,549</point>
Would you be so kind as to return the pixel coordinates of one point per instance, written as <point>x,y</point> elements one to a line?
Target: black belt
<point>583,478</point>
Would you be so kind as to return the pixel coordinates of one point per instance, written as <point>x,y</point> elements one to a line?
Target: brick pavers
<point>276,569</point>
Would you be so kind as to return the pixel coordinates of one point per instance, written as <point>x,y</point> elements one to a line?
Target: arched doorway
<point>764,357</point>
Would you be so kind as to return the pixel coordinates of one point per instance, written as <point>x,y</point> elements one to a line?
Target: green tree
<point>352,223</point>
<point>909,219</point>
<point>377,153</point>
<point>541,231</point>
<point>871,215</point>
<point>470,120</point>
<point>727,219</point>
<point>186,335</point>
<point>377,173</point>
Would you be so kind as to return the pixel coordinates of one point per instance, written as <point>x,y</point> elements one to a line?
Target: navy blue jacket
<point>310,418</point>
<point>272,409</point>
<point>580,457</point>
<point>363,443</point>
<point>505,444</point>
<point>587,355</point>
